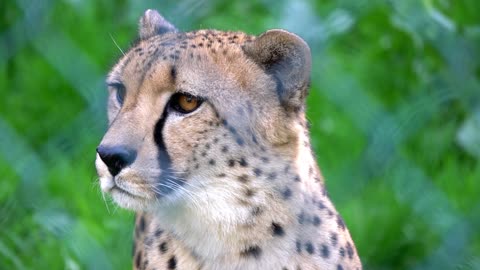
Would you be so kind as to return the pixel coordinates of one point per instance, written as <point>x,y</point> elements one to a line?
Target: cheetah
<point>209,144</point>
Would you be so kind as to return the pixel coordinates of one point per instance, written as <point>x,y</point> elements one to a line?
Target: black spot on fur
<point>158,232</point>
<point>240,141</point>
<point>138,259</point>
<point>163,247</point>
<point>243,178</point>
<point>272,176</point>
<point>141,224</point>
<point>334,238</point>
<point>321,205</point>
<point>257,171</point>
<point>342,252</point>
<point>243,162</point>
<point>339,267</point>
<point>350,251</point>
<point>301,218</point>
<point>287,193</point>
<point>253,251</point>
<point>324,251</point>
<point>148,241</point>
<point>277,229</point>
<point>309,247</point>
<point>340,222</point>
<point>211,162</point>
<point>231,163</point>
<point>316,221</point>
<point>298,246</point>
<point>224,149</point>
<point>172,263</point>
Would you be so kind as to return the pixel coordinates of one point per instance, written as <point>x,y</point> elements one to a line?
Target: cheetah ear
<point>152,24</point>
<point>286,57</point>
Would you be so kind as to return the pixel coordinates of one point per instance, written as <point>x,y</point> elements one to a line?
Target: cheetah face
<point>185,108</point>
<point>155,156</point>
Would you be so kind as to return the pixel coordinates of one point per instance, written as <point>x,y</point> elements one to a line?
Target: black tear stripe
<point>167,177</point>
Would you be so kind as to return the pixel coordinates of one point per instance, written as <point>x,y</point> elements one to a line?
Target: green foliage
<point>393,84</point>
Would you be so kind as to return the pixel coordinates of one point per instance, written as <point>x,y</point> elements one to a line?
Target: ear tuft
<point>287,58</point>
<point>152,24</point>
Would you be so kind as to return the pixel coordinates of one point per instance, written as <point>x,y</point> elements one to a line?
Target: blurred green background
<point>394,107</point>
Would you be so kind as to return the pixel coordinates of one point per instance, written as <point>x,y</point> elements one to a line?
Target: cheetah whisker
<point>116,44</point>
<point>106,204</point>
<point>188,193</point>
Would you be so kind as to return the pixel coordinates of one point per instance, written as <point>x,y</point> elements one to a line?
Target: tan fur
<point>246,192</point>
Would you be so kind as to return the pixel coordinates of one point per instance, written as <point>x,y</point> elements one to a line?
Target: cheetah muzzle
<point>209,144</point>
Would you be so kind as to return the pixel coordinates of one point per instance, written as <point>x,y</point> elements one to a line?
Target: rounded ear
<point>152,24</point>
<point>287,58</point>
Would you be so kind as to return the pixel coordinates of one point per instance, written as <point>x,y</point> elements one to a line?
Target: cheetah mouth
<point>127,199</point>
<point>124,191</point>
<point>116,188</point>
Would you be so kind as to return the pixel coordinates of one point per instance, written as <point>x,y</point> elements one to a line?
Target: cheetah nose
<point>116,157</point>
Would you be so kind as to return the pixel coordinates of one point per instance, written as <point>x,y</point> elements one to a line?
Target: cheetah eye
<point>119,92</point>
<point>185,103</point>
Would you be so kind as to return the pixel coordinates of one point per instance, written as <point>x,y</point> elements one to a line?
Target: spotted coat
<point>233,184</point>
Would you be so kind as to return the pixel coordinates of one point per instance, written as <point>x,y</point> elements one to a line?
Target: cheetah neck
<point>221,225</point>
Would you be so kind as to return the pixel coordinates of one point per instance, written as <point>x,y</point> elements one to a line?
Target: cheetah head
<point>189,112</point>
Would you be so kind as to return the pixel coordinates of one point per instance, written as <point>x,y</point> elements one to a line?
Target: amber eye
<point>185,103</point>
